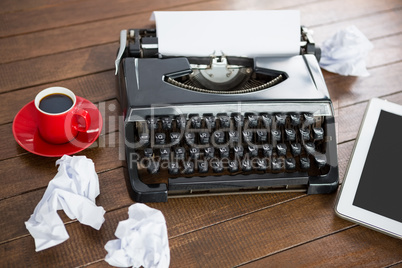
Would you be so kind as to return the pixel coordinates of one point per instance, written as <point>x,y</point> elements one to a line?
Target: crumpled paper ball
<point>345,52</point>
<point>73,189</point>
<point>142,240</point>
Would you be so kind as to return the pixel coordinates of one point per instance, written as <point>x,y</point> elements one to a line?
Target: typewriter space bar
<point>238,182</point>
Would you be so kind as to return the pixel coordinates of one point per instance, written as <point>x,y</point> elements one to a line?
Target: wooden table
<point>73,44</point>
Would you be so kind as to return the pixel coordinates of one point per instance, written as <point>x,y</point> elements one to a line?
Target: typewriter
<point>224,124</point>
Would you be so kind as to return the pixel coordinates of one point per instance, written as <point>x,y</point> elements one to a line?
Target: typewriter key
<point>190,138</point>
<point>267,150</point>
<point>148,152</point>
<point>209,152</point>
<point>246,165</point>
<point>196,122</point>
<point>179,152</point>
<point>290,134</point>
<point>320,159</point>
<point>194,153</point>
<point>210,121</point>
<point>267,120</point>
<point>277,163</point>
<point>160,138</point>
<point>318,133</point>
<point>276,134</point>
<point>173,168</point>
<point>253,150</point>
<point>261,164</point>
<point>144,138</point>
<point>216,165</point>
<point>239,120</point>
<point>290,163</point>
<point>261,135</point>
<point>224,152</point>
<point>247,135</point>
<point>165,153</point>
<point>281,148</point>
<point>203,167</point>
<point>233,166</point>
<point>295,119</point>
<point>280,119</point>
<point>188,168</point>
<point>219,136</point>
<point>204,137</point>
<point>153,167</point>
<point>152,122</point>
<point>304,163</point>
<point>174,137</point>
<point>295,148</point>
<point>252,120</point>
<point>233,136</point>
<point>238,150</point>
<point>305,133</point>
<point>310,147</point>
<point>181,122</point>
<point>167,123</point>
<point>308,119</point>
<point>224,121</point>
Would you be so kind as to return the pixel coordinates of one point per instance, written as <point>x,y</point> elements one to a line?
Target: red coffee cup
<point>59,119</point>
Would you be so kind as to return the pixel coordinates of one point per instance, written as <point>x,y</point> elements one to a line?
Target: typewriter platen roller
<point>223,124</point>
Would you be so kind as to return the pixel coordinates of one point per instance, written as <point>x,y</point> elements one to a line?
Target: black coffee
<point>55,103</point>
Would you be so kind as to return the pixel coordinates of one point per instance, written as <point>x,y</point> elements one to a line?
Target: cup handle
<point>83,120</point>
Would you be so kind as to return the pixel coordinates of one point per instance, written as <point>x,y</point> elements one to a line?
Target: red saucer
<point>26,133</point>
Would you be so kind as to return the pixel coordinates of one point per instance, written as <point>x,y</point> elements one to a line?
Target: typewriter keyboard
<point>229,144</point>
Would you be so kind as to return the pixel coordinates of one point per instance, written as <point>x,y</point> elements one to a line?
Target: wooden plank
<point>52,68</point>
<point>211,210</point>
<point>258,234</point>
<point>383,81</point>
<point>8,6</point>
<point>88,34</point>
<point>226,243</point>
<point>114,195</point>
<point>95,88</point>
<point>386,51</point>
<point>48,68</point>
<point>352,246</point>
<point>38,171</point>
<point>344,154</point>
<point>84,245</point>
<point>374,25</point>
<point>105,31</point>
<point>331,12</point>
<point>69,38</point>
<point>350,118</point>
<point>348,123</point>
<point>76,12</point>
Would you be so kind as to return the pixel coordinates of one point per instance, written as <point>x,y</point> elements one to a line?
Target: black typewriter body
<point>221,124</point>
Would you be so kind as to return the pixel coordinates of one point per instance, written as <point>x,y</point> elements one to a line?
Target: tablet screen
<point>380,186</point>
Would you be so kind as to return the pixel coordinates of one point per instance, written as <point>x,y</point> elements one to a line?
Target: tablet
<point>371,193</point>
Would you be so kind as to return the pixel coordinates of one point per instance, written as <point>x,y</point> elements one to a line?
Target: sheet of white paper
<point>73,189</point>
<point>234,33</point>
<point>142,240</point>
<point>344,53</point>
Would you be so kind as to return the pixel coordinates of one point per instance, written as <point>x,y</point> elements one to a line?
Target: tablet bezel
<point>344,206</point>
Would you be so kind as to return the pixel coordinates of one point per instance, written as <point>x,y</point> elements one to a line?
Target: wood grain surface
<point>73,44</point>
